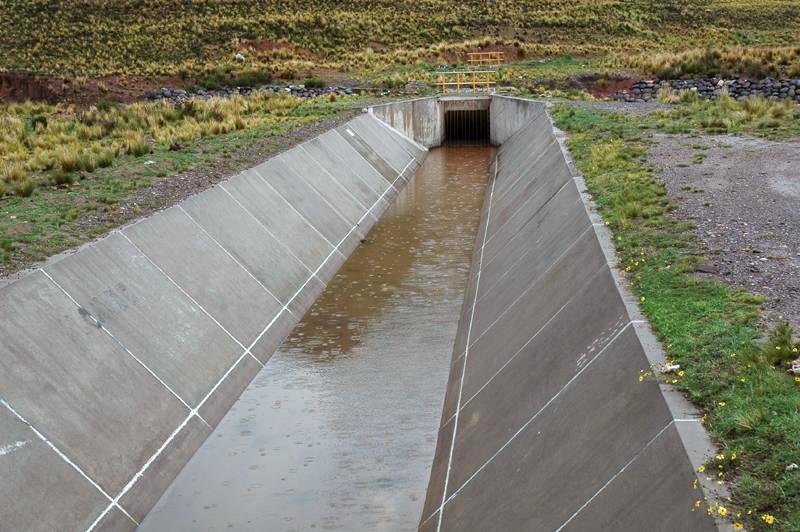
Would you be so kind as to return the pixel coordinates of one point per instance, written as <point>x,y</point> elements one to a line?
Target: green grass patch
<point>752,407</point>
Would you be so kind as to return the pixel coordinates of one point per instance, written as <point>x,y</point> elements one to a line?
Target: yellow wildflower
<point>733,456</point>
<point>722,403</point>
<point>720,457</point>
<point>681,373</point>
<point>722,511</point>
<point>738,526</point>
<point>733,355</point>
<point>642,299</point>
<point>701,469</point>
<point>768,518</point>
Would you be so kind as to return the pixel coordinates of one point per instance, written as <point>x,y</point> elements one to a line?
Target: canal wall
<point>118,360</point>
<point>552,419</point>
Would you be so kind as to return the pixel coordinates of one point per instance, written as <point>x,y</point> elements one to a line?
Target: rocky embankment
<point>181,95</point>
<point>711,88</point>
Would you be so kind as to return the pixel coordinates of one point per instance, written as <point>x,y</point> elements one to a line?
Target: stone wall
<point>711,88</point>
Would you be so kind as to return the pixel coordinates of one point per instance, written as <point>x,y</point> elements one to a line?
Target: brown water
<point>337,432</point>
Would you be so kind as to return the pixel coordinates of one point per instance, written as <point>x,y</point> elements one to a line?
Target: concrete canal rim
<point>117,361</point>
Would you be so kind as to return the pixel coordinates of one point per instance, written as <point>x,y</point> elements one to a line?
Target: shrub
<point>314,83</point>
<point>60,177</point>
<point>780,348</point>
<point>24,188</point>
<point>68,158</point>
<point>136,144</point>
<point>13,172</point>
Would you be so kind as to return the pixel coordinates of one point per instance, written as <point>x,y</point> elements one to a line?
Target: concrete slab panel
<point>533,249</point>
<point>150,316</point>
<point>279,217</point>
<point>323,182</point>
<point>501,392</point>
<point>221,400</point>
<point>305,199</point>
<point>306,297</point>
<point>388,135</point>
<point>141,498</point>
<point>78,387</point>
<point>347,166</point>
<point>381,165</point>
<point>253,246</point>
<point>636,501</point>
<point>586,442</point>
<point>115,521</point>
<point>530,305</point>
<point>40,491</point>
<point>381,142</point>
<point>203,269</point>
<point>453,388</point>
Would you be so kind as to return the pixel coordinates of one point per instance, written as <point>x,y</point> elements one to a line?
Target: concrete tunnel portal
<point>537,419</point>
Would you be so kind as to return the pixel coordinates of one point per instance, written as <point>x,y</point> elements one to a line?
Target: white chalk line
<point>229,254</point>
<point>116,340</point>
<point>536,415</point>
<point>618,473</point>
<point>466,352</point>
<point>66,459</point>
<point>140,473</point>
<point>532,285</point>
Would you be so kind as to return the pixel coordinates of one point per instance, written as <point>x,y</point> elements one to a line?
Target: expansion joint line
<point>466,351</point>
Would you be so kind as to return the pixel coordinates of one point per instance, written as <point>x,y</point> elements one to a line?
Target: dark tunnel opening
<point>466,125</point>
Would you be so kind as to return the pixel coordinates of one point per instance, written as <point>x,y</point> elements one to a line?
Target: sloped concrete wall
<point>546,425</point>
<point>117,361</point>
<point>508,114</point>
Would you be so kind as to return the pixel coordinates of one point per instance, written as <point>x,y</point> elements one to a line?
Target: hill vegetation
<point>197,37</point>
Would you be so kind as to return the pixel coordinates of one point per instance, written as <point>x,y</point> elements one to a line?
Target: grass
<point>71,205</point>
<point>278,39</point>
<point>40,143</point>
<point>752,406</point>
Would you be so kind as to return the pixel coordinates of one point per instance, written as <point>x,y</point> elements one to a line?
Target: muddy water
<point>337,432</point>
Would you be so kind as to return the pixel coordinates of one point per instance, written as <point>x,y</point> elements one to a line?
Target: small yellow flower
<point>681,373</point>
<point>742,380</point>
<point>674,381</point>
<point>701,469</point>
<point>777,348</point>
<point>797,379</point>
<point>619,238</point>
<point>642,299</point>
<point>722,511</point>
<point>738,526</point>
<point>794,350</point>
<point>697,503</point>
<point>733,355</point>
<point>722,403</point>
<point>607,222</point>
<point>733,456</point>
<point>720,457</point>
<point>768,518</point>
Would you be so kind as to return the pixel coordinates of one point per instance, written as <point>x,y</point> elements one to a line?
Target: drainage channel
<point>338,430</point>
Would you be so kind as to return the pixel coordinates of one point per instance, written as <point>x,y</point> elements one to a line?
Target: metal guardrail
<point>472,80</point>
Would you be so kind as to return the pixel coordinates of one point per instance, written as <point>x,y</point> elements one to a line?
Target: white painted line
<point>466,352</point>
<point>64,457</point>
<point>116,340</point>
<point>229,254</point>
<point>618,473</point>
<point>531,420</point>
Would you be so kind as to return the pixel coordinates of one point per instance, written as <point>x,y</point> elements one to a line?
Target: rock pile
<point>711,88</point>
<point>179,96</point>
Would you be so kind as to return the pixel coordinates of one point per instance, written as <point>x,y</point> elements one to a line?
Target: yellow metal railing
<point>472,80</point>
<point>485,58</point>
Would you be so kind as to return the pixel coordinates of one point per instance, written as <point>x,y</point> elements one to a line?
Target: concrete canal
<point>338,430</point>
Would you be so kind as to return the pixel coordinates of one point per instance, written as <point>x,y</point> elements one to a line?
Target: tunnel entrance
<point>466,125</point>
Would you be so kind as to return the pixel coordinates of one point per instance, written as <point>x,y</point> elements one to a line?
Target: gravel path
<point>743,194</point>
<point>631,108</point>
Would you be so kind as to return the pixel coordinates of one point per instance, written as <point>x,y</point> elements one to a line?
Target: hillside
<point>190,37</point>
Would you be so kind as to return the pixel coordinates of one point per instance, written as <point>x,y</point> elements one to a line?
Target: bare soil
<point>743,195</point>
